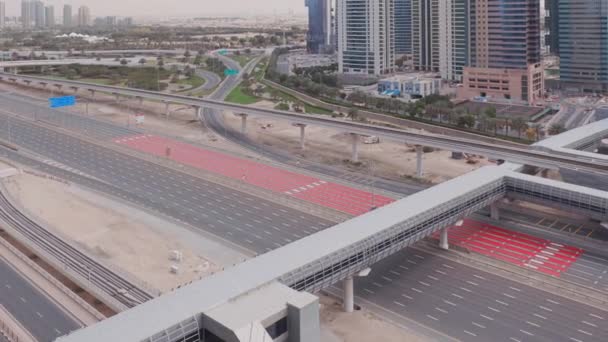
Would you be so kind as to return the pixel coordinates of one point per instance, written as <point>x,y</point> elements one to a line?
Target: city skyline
<point>190,8</point>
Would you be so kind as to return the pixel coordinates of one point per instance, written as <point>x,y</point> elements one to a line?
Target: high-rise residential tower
<point>67,16</point>
<point>366,36</point>
<point>552,26</point>
<point>583,44</point>
<point>318,38</point>
<point>49,16</point>
<point>2,14</point>
<point>403,27</point>
<point>504,51</point>
<point>39,14</point>
<point>84,16</point>
<point>425,34</point>
<point>27,13</point>
<point>453,38</point>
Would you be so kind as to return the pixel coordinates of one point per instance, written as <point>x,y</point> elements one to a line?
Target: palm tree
<point>519,124</point>
<point>353,114</point>
<point>556,128</point>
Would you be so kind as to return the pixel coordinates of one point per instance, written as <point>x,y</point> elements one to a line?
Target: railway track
<point>91,271</point>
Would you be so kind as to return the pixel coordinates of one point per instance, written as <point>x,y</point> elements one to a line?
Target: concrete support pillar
<point>419,161</point>
<point>167,109</point>
<point>355,147</point>
<point>443,239</point>
<point>117,96</point>
<point>243,123</point>
<point>92,91</point>
<point>302,134</point>
<point>198,113</point>
<point>494,212</point>
<point>349,294</point>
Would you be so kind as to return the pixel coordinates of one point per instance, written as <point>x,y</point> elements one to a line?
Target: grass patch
<point>243,59</point>
<point>316,110</point>
<point>193,81</point>
<point>238,96</point>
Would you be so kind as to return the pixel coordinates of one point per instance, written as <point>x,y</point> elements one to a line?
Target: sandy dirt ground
<point>329,146</point>
<point>359,326</point>
<point>110,236</point>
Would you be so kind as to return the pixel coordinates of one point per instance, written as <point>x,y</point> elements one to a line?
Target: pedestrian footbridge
<point>335,254</point>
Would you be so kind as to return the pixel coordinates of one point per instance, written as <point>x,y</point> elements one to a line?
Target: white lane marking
<point>508,295</point>
<point>457,296</point>
<point>575,339</point>
<point>501,302</point>
<point>440,272</point>
<point>431,277</point>
<point>432,317</point>
<point>23,299</point>
<point>533,324</point>
<point>370,291</point>
<point>423,283</point>
<point>387,278</point>
<point>495,310</point>
<point>465,289</point>
<point>584,332</point>
<point>514,339</point>
<point>441,310</point>
<point>514,289</point>
<point>39,314</point>
<point>400,304</point>
<point>447,266</point>
<point>470,333</point>
<point>486,317</point>
<point>415,289</point>
<point>411,262</point>
<point>479,277</point>
<point>589,323</point>
<point>472,283</point>
<point>405,268</point>
<point>526,332</point>
<point>377,284</point>
<point>552,301</point>
<point>406,296</point>
<point>478,325</point>
<point>449,303</point>
<point>539,316</point>
<point>58,332</point>
<point>418,256</point>
<point>545,308</point>
<point>596,316</point>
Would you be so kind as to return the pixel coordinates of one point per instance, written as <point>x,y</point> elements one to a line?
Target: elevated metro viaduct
<point>582,142</point>
<point>267,296</point>
<point>522,155</point>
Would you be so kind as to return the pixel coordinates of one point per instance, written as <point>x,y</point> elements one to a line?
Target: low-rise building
<point>286,64</point>
<point>410,85</point>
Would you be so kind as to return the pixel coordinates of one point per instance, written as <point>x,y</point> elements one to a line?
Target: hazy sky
<point>164,8</point>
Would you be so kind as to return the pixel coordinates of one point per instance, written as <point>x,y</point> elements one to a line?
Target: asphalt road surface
<point>32,309</point>
<point>211,80</point>
<point>257,224</point>
<point>471,305</point>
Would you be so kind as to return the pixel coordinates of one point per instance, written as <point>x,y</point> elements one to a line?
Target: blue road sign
<point>64,101</point>
<point>231,72</point>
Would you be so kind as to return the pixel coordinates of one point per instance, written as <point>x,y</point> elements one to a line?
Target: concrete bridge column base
<point>443,239</point>
<point>349,294</point>
<point>302,135</point>
<point>243,123</point>
<point>355,147</point>
<point>419,161</point>
<point>494,212</point>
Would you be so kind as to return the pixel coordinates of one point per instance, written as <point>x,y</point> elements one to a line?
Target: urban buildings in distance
<point>319,38</point>
<point>36,15</point>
